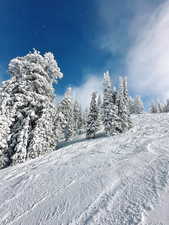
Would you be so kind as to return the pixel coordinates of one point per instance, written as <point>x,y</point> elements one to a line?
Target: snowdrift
<point>109,180</point>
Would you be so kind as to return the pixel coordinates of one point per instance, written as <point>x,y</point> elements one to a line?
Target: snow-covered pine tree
<point>111,120</point>
<point>114,95</point>
<point>158,107</point>
<point>138,105</point>
<point>161,107</point>
<point>125,89</point>
<point>27,101</point>
<point>107,103</point>
<point>60,123</point>
<point>45,130</point>
<point>167,106</point>
<point>154,108</point>
<point>77,118</point>
<point>92,118</point>
<point>66,108</point>
<point>131,105</point>
<point>84,118</point>
<point>4,132</point>
<point>100,113</point>
<point>123,105</point>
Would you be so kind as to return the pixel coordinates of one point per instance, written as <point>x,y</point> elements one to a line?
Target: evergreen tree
<point>138,105</point>
<point>131,105</point>
<point>60,124</point>
<point>154,108</point>
<point>26,101</point>
<point>84,119</point>
<point>114,96</point>
<point>4,133</point>
<point>107,103</point>
<point>161,107</point>
<point>66,108</point>
<point>100,113</point>
<point>158,107</point>
<point>92,118</point>
<point>167,106</point>
<point>77,120</point>
<point>125,90</point>
<point>123,105</point>
<point>111,120</point>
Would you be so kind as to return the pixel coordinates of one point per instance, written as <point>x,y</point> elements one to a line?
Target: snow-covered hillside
<point>116,180</point>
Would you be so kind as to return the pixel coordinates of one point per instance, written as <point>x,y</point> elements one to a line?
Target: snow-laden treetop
<point>107,80</point>
<point>68,93</point>
<point>35,63</point>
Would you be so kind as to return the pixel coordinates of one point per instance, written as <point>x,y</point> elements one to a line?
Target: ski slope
<point>109,180</point>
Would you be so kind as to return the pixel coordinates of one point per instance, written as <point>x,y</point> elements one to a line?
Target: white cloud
<point>116,18</point>
<point>138,31</point>
<point>144,44</point>
<point>83,92</point>
<point>148,58</point>
<point>113,26</point>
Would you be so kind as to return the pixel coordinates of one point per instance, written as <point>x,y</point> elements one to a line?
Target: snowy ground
<point>117,180</point>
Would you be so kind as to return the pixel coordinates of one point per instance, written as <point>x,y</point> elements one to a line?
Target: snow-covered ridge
<point>116,180</point>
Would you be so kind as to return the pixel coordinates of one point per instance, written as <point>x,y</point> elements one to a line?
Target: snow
<point>108,180</point>
<point>27,110</point>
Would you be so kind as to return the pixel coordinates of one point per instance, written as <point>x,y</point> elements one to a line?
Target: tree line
<point>31,124</point>
<point>158,107</point>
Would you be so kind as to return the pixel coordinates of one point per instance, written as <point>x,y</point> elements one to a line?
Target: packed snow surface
<point>109,180</point>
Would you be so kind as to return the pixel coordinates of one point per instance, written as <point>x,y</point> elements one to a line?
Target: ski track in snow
<point>117,180</point>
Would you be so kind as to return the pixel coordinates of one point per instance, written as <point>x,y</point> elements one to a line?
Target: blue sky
<point>67,28</point>
<point>87,37</point>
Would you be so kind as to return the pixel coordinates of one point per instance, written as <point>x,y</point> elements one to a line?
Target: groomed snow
<point>115,180</point>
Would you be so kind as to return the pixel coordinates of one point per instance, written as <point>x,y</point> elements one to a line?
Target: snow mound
<point>116,180</point>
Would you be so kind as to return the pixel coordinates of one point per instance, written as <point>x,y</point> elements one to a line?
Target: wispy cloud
<point>119,22</point>
<point>113,21</point>
<point>138,31</point>
<point>147,59</point>
<point>83,92</point>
